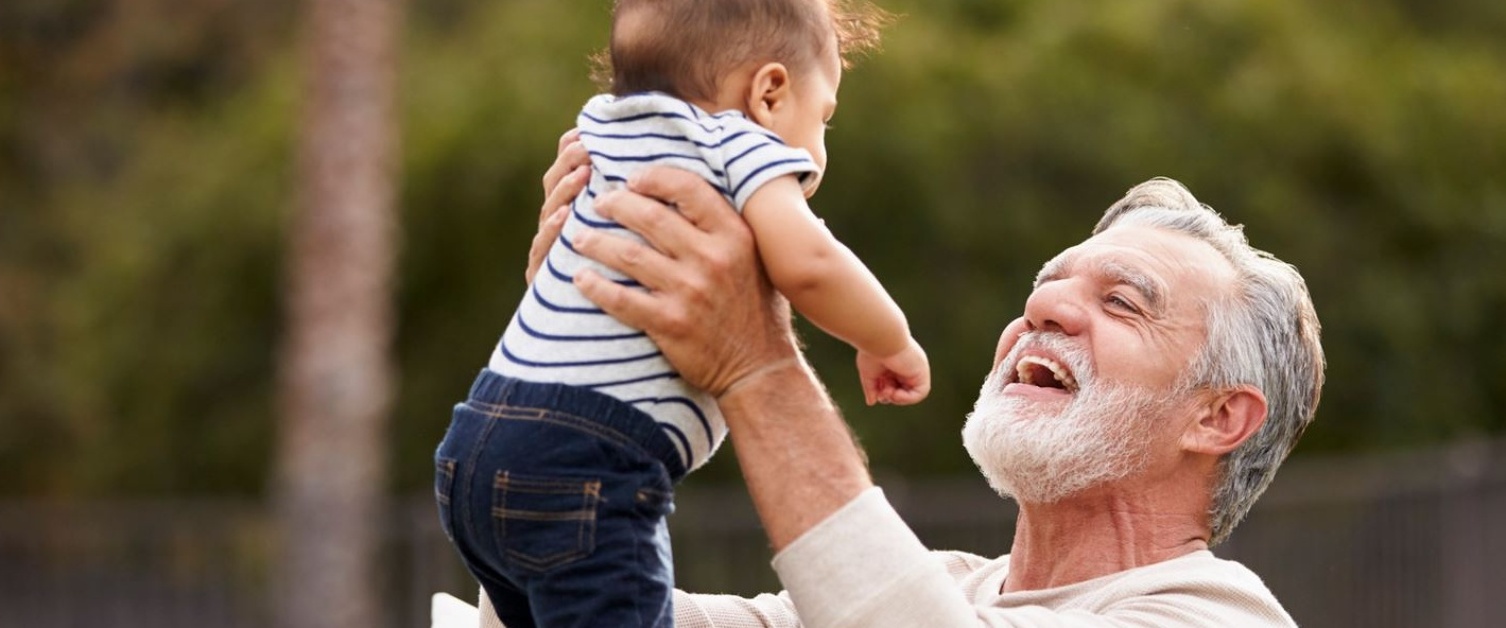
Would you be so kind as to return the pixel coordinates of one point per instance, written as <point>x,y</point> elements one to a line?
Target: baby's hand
<point>903,378</point>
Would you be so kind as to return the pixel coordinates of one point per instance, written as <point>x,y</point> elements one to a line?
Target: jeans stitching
<point>585,533</point>
<point>447,468</point>
<point>470,470</point>
<point>446,485</point>
<point>556,417</point>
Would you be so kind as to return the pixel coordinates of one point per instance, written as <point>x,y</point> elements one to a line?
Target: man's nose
<point>1058,306</point>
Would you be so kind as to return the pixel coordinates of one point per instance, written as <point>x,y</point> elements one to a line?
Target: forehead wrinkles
<point>1103,266</point>
<point>1131,267</point>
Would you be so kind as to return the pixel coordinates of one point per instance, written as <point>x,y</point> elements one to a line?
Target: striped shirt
<point>557,336</point>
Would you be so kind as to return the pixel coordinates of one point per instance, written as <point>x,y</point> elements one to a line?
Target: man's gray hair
<point>1264,335</point>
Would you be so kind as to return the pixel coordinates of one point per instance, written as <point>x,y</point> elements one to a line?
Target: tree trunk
<point>335,371</point>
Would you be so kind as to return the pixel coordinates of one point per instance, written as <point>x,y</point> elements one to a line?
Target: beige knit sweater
<point>863,567</point>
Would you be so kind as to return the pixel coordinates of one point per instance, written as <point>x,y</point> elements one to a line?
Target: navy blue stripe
<point>654,157</point>
<point>683,442</point>
<point>763,168</point>
<point>549,264</point>
<point>554,307</point>
<point>595,223</point>
<point>616,179</point>
<point>635,380</point>
<point>647,136</point>
<point>512,357</point>
<point>705,425</point>
<point>574,208</point>
<point>652,114</point>
<point>745,153</point>
<point>666,136</point>
<point>574,338</point>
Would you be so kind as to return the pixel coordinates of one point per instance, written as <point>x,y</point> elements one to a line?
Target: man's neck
<point>1098,534</point>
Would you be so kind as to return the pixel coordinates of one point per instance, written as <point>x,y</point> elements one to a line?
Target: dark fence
<point>1398,540</point>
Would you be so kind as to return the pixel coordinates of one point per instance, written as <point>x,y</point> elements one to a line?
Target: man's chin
<point>1030,490</point>
<point>1025,457</point>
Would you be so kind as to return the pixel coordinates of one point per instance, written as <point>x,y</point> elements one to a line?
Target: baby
<point>555,476</point>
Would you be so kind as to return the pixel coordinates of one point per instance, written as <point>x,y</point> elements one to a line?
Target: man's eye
<point>1121,302</point>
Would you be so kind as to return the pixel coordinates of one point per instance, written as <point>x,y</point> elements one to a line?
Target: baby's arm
<point>834,290</point>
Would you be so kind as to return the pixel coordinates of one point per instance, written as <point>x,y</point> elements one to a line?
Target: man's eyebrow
<point>1053,269</point>
<point>1147,286</point>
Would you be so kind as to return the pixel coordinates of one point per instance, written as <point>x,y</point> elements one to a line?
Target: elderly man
<point>1161,372</point>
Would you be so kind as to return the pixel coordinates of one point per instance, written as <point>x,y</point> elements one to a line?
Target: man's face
<point>1088,395</point>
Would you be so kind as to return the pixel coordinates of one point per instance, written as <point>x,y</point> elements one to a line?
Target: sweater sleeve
<point>730,611</point>
<point>863,567</point>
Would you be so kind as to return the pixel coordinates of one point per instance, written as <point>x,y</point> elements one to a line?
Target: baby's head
<point>778,61</point>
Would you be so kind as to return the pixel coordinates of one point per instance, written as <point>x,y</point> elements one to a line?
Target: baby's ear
<point>768,92</point>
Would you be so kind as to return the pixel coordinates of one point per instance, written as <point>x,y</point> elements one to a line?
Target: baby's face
<point>814,100</point>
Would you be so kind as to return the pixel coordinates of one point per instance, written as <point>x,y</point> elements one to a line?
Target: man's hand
<point>708,304</point>
<point>713,312</point>
<point>562,183</point>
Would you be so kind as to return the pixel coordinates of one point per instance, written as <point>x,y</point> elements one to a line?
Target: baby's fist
<point>903,378</point>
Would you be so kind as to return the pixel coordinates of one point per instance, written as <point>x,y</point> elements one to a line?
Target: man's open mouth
<point>1034,370</point>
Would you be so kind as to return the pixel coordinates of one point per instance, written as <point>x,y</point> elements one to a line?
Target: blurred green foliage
<point>146,174</point>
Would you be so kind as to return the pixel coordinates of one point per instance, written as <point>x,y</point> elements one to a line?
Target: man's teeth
<point>1057,371</point>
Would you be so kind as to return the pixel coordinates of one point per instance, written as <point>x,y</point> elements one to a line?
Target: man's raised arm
<point>844,555</point>
<point>712,310</point>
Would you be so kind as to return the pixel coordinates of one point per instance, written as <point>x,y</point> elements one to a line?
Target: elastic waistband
<point>605,410</point>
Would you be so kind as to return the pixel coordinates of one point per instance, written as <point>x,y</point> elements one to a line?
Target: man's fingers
<point>565,191</point>
<point>567,138</point>
<point>549,231</point>
<point>688,192</point>
<point>664,229</point>
<point>645,265</point>
<point>635,308</point>
<point>572,160</point>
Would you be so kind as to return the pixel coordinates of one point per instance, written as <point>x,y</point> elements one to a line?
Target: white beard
<point>1037,455</point>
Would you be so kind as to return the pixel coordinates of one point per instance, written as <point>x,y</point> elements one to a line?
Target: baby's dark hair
<point>685,47</point>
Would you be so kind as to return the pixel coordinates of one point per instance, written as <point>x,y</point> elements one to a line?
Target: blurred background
<point>160,158</point>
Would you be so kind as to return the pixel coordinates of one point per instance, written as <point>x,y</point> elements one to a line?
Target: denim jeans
<point>556,498</point>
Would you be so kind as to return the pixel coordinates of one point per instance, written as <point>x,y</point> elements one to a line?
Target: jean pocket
<point>545,522</point>
<point>444,484</point>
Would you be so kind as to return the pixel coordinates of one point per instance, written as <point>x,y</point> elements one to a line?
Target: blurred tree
<point>144,182</point>
<point>336,369</point>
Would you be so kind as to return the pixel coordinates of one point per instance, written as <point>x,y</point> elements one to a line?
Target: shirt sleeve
<point>752,156</point>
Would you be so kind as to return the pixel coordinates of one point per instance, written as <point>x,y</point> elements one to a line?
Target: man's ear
<point>1227,420</point>
<point>768,93</point>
